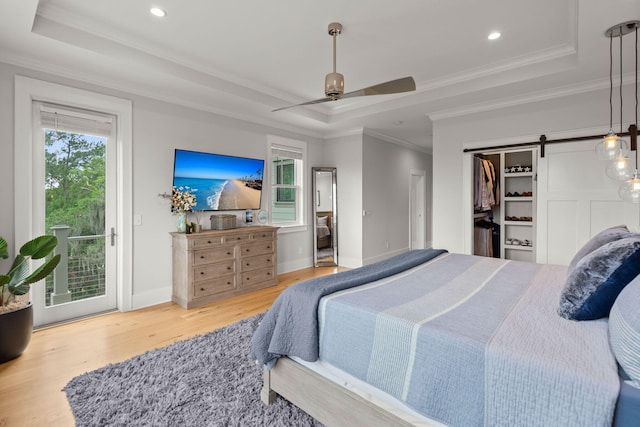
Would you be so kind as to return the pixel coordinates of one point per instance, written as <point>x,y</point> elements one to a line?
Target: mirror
<point>325,214</point>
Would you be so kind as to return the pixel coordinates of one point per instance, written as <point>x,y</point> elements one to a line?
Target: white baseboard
<point>149,298</point>
<point>384,256</point>
<point>299,264</point>
<point>349,262</point>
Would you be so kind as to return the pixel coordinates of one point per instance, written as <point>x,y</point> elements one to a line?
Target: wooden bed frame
<point>321,398</point>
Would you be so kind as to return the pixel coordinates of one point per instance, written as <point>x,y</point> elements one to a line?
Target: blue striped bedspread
<point>472,341</point>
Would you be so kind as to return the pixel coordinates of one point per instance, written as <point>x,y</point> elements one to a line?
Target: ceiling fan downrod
<point>334,82</point>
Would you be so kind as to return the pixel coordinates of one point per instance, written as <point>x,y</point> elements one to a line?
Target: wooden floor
<point>31,385</point>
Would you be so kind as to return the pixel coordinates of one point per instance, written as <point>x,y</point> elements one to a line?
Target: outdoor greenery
<point>75,193</point>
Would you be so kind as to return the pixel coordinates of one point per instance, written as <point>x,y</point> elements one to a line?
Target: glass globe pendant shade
<point>611,147</point>
<point>619,169</point>
<point>630,190</point>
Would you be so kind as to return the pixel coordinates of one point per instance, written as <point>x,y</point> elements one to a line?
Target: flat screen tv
<point>222,183</point>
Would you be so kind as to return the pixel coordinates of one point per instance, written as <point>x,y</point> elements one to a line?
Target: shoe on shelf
<point>508,242</point>
<point>508,195</point>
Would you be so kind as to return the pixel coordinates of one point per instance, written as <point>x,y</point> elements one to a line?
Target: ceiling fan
<point>334,82</point>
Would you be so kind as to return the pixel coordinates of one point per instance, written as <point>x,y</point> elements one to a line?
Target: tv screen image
<point>220,182</point>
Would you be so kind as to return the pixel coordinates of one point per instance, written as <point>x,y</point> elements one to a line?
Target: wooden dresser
<point>217,264</point>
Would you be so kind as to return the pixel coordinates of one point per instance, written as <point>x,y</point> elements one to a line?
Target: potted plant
<point>16,315</point>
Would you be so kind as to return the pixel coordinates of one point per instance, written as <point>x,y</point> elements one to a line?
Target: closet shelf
<point>520,223</point>
<point>519,248</point>
<point>518,174</point>
<point>518,199</point>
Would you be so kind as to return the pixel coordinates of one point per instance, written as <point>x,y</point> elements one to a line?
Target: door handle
<point>113,236</point>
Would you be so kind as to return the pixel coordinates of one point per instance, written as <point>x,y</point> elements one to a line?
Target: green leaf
<point>39,247</point>
<point>4,252</point>
<point>19,290</point>
<point>43,271</point>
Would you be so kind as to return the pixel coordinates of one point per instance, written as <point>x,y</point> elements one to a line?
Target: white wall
<point>576,115</point>
<point>158,128</point>
<point>345,154</point>
<point>386,188</point>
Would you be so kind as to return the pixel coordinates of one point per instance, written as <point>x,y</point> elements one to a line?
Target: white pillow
<point>624,330</point>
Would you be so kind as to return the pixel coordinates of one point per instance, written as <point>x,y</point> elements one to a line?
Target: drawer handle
<point>228,283</point>
<point>201,256</point>
<point>202,289</point>
<point>268,247</point>
<point>248,250</point>
<point>264,235</point>
<point>238,238</point>
<point>248,278</point>
<point>202,273</point>
<point>268,260</point>
<point>228,253</point>
<point>228,268</point>
<point>269,274</point>
<point>208,241</point>
<point>248,264</point>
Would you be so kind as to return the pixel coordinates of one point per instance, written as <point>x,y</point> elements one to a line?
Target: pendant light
<point>629,191</point>
<point>620,168</point>
<point>613,147</point>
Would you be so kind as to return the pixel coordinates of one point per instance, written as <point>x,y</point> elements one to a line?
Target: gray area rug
<point>204,381</point>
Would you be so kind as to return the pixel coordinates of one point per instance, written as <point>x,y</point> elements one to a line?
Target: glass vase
<point>182,223</point>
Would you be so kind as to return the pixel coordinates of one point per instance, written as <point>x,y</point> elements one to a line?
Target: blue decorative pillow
<point>624,331</point>
<point>602,238</point>
<point>593,286</point>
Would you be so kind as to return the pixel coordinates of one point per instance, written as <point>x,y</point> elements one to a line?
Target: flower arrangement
<point>183,199</point>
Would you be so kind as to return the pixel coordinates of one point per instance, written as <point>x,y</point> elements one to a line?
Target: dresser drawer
<point>263,235</point>
<point>207,256</point>
<point>215,286</point>
<point>212,271</point>
<point>256,262</point>
<point>206,242</point>
<point>258,248</point>
<point>236,238</point>
<point>256,276</point>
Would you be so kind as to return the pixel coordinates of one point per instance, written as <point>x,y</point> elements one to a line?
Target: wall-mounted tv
<point>222,182</point>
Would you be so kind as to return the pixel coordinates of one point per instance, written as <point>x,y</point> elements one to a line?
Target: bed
<point>434,338</point>
<point>323,229</point>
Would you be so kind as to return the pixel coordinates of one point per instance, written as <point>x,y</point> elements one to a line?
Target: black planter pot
<point>15,332</point>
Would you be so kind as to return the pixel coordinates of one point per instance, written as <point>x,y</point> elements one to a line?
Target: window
<point>287,190</point>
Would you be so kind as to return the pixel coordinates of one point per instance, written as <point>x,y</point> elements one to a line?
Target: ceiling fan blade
<point>405,84</point>
<point>315,101</point>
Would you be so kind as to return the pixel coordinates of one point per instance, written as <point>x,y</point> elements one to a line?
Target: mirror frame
<point>334,216</point>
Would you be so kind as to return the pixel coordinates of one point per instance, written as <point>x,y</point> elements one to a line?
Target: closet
<point>510,216</point>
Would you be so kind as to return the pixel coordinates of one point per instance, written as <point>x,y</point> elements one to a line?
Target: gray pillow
<point>624,331</point>
<point>605,236</point>
<point>593,286</point>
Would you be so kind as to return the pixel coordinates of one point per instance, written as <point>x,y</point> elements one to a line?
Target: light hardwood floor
<point>31,385</point>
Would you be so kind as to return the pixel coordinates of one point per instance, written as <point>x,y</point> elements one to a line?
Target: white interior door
<point>576,200</point>
<point>417,209</point>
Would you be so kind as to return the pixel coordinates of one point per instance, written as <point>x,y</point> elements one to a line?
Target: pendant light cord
<point>611,81</point>
<point>621,129</point>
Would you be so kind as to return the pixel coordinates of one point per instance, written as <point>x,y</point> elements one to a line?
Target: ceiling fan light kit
<point>334,81</point>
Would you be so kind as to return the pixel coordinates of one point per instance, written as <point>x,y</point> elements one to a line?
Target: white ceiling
<point>244,58</point>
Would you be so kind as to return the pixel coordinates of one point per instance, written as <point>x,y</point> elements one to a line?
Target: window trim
<point>275,143</point>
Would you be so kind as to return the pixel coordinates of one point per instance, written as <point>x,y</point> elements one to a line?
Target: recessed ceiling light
<point>494,35</point>
<point>156,11</point>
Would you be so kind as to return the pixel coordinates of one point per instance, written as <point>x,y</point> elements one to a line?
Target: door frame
<point>26,91</point>
<point>419,228</point>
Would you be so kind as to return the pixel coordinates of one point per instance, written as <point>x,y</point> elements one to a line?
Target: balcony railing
<point>81,271</point>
